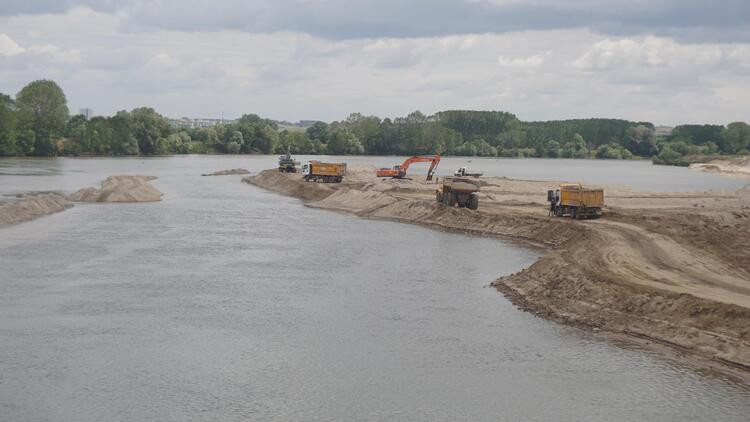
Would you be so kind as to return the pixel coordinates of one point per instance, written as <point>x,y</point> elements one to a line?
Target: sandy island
<point>113,189</point>
<point>227,172</point>
<point>667,269</point>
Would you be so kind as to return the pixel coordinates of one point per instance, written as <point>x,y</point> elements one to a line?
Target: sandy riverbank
<point>666,268</point>
<point>735,167</point>
<point>113,189</point>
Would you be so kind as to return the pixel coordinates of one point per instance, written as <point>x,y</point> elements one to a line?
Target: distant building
<point>306,123</point>
<point>86,112</point>
<point>663,130</point>
<point>190,123</point>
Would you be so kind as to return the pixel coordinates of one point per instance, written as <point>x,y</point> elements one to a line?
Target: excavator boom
<point>399,172</point>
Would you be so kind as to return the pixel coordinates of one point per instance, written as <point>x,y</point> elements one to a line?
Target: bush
<point>670,156</point>
<point>233,148</point>
<point>608,152</point>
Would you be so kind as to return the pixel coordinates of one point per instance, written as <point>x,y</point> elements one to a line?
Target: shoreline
<point>627,274</point>
<point>736,167</point>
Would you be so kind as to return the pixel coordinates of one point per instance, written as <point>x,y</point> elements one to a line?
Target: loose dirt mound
<point>290,184</point>
<point>227,172</point>
<point>120,189</point>
<point>669,268</point>
<point>32,206</point>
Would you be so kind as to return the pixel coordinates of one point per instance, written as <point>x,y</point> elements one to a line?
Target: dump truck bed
<point>576,195</point>
<point>461,184</point>
<point>327,169</point>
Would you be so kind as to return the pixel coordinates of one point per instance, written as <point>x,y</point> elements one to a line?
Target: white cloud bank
<point>104,62</point>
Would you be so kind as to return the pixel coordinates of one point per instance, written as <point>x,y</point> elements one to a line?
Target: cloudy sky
<point>665,61</point>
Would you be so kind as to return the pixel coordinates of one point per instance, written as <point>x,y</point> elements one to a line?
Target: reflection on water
<point>226,302</point>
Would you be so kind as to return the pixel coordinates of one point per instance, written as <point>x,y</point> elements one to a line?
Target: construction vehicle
<point>326,172</point>
<point>399,171</point>
<point>458,190</point>
<point>575,200</point>
<point>462,172</point>
<point>287,164</point>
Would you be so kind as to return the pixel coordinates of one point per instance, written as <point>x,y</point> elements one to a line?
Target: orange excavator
<point>399,172</point>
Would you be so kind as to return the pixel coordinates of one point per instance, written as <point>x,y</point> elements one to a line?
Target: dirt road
<point>671,269</point>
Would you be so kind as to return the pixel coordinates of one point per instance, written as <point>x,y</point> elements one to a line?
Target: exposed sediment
<point>735,166</point>
<point>113,189</point>
<point>120,189</point>
<point>672,269</point>
<point>31,206</point>
<point>227,172</point>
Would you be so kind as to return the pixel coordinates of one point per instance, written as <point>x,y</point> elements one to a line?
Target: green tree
<point>552,149</point>
<point>609,151</point>
<point>43,110</point>
<point>8,127</point>
<point>123,140</point>
<point>343,142</point>
<point>237,139</point>
<point>318,131</point>
<point>640,140</point>
<point>737,137</point>
<point>265,140</point>
<point>233,147</point>
<point>366,129</point>
<point>149,128</point>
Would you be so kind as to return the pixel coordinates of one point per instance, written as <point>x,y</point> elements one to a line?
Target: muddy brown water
<point>227,302</point>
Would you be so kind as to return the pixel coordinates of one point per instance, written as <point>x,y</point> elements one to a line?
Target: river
<point>227,302</point>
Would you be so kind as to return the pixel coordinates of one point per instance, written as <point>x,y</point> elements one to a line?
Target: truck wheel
<point>452,199</point>
<point>438,197</point>
<point>574,213</point>
<point>473,202</point>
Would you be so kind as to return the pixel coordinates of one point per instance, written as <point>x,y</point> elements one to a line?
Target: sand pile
<point>354,200</point>
<point>670,268</point>
<point>227,172</point>
<point>120,189</point>
<point>32,206</point>
<point>290,184</point>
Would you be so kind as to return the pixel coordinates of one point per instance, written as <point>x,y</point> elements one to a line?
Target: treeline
<point>689,142</point>
<point>37,123</point>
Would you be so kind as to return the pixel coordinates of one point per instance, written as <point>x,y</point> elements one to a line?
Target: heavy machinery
<point>463,172</point>
<point>287,164</point>
<point>458,190</point>
<point>575,200</point>
<point>326,172</point>
<point>399,171</point>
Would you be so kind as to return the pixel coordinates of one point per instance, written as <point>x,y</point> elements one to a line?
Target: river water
<point>228,302</point>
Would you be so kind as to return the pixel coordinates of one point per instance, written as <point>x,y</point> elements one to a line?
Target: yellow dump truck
<point>458,190</point>
<point>575,200</point>
<point>326,172</point>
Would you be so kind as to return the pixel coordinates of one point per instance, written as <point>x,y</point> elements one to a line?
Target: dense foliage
<point>37,123</point>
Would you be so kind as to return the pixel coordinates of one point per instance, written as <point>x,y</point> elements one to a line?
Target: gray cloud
<point>684,20</point>
<point>108,62</point>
